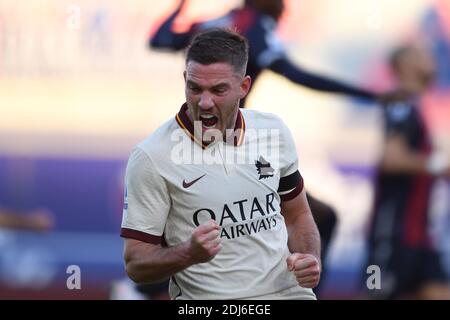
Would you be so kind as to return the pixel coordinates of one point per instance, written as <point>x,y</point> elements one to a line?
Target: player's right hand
<point>306,268</point>
<point>205,242</point>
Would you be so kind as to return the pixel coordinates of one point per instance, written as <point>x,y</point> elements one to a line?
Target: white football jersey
<point>174,184</point>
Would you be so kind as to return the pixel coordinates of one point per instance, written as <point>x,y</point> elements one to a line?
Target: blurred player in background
<point>398,240</point>
<point>257,21</point>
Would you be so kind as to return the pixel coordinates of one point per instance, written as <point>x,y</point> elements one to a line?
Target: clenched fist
<point>306,269</point>
<point>205,242</point>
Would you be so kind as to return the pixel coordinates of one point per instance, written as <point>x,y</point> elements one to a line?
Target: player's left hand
<point>306,268</point>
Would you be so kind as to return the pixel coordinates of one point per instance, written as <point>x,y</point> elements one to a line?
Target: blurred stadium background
<point>79,87</point>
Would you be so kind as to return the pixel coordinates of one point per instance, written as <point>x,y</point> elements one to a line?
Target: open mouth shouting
<point>209,121</point>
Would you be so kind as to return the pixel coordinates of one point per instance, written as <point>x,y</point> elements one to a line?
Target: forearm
<point>15,220</point>
<point>304,236</point>
<point>147,264</point>
<point>317,82</point>
<point>9,221</point>
<point>399,158</point>
<point>405,163</point>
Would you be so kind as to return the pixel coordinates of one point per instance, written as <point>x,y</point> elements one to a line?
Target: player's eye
<point>194,90</point>
<point>220,90</point>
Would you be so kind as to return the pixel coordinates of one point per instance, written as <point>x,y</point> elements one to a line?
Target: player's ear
<point>245,86</point>
<point>184,75</point>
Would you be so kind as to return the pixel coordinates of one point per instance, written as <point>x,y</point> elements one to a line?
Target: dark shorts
<point>405,270</point>
<point>153,288</point>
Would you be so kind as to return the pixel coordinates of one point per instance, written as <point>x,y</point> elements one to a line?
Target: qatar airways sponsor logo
<point>243,217</point>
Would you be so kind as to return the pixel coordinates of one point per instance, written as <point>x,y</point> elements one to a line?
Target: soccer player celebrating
<point>257,21</point>
<point>220,229</point>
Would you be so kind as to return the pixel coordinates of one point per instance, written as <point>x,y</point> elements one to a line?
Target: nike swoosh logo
<point>188,184</point>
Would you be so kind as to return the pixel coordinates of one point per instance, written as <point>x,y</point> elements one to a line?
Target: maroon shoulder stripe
<point>139,235</point>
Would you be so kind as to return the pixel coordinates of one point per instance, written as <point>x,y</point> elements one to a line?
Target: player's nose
<point>206,101</point>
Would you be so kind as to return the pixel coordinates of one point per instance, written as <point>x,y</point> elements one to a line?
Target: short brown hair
<point>219,45</point>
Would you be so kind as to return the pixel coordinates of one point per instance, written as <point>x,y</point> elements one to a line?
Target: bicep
<point>295,208</point>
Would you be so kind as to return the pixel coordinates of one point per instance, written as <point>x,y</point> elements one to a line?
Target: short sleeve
<point>147,200</point>
<point>291,181</point>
